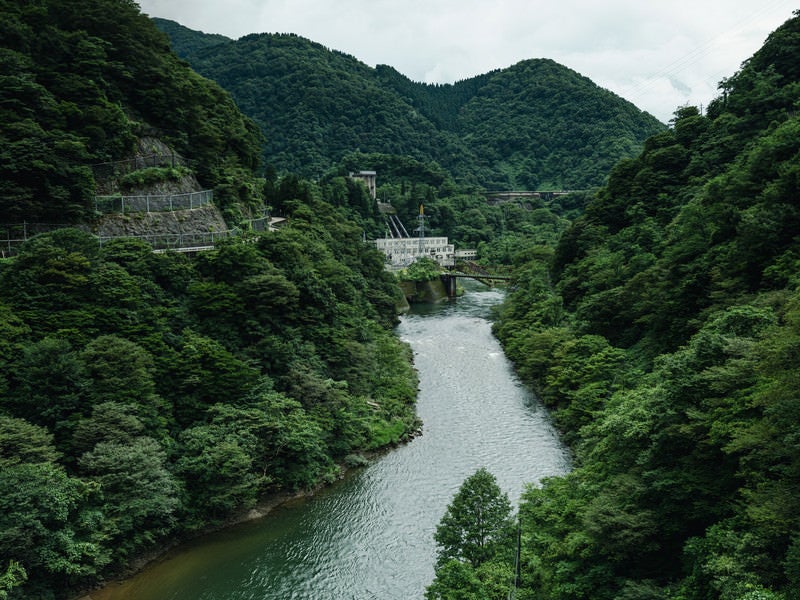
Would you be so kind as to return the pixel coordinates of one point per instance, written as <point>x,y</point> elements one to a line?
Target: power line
<point>682,63</point>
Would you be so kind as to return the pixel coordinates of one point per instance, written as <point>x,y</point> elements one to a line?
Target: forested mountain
<point>534,125</point>
<point>663,331</point>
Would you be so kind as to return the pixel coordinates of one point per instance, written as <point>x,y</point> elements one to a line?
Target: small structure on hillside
<point>466,254</point>
<point>369,179</point>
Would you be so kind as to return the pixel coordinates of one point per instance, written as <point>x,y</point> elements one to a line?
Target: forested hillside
<point>80,83</point>
<point>535,125</point>
<point>663,331</point>
<point>146,397</point>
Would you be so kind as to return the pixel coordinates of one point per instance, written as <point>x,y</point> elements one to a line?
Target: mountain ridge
<point>535,124</point>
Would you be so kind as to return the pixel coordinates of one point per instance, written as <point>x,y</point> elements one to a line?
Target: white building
<point>466,254</point>
<point>401,252</point>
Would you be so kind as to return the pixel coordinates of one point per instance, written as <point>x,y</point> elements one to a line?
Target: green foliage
<point>14,576</point>
<point>151,176</point>
<point>662,330</point>
<point>45,526</point>
<point>422,269</point>
<point>477,525</point>
<point>23,442</point>
<point>476,543</point>
<point>456,580</point>
<point>217,463</point>
<point>145,395</point>
<point>80,83</point>
<point>160,393</point>
<point>139,496</point>
<point>49,388</point>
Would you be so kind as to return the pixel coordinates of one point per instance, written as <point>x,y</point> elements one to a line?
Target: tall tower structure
<point>421,230</point>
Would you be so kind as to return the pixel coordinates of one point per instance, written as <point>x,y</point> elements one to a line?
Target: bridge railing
<point>152,203</point>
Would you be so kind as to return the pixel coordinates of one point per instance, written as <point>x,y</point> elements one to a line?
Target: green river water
<point>371,535</point>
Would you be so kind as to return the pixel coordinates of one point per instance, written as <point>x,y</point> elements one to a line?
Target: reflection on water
<point>371,535</point>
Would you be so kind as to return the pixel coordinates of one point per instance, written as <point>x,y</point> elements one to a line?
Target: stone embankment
<point>424,291</point>
<point>197,220</point>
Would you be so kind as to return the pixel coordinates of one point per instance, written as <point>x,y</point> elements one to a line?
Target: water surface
<point>371,535</point>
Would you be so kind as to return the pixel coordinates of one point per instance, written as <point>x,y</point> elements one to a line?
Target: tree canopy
<point>659,333</point>
<point>476,531</point>
<point>81,82</point>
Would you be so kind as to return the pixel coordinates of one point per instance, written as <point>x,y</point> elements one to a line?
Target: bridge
<point>469,270</point>
<point>505,196</point>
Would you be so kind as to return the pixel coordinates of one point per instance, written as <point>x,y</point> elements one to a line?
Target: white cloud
<point>659,55</point>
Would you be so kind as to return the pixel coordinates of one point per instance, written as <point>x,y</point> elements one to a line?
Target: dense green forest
<point>534,125</point>
<point>146,397</point>
<point>149,395</point>
<point>663,331</point>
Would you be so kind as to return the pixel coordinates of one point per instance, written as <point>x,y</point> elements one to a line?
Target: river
<point>371,534</point>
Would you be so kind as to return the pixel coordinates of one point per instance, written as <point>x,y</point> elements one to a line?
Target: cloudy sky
<point>659,54</point>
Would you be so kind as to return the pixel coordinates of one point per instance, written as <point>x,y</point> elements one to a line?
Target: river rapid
<point>370,536</point>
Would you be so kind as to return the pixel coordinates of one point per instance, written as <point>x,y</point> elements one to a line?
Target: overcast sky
<point>659,54</point>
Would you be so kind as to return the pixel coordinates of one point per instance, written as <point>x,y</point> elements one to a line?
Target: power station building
<point>401,252</point>
<point>399,248</point>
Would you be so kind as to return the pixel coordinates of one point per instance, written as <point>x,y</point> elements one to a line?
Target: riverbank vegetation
<point>662,330</point>
<point>146,396</point>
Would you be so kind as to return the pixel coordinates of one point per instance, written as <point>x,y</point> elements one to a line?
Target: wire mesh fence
<point>13,236</point>
<point>117,168</point>
<point>180,241</point>
<point>152,203</point>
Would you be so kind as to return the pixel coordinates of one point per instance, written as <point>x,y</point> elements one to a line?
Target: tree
<point>44,525</point>
<point>139,494</point>
<point>122,372</point>
<point>23,442</point>
<point>217,465</point>
<point>15,575</point>
<point>456,580</point>
<point>477,524</point>
<point>50,386</point>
